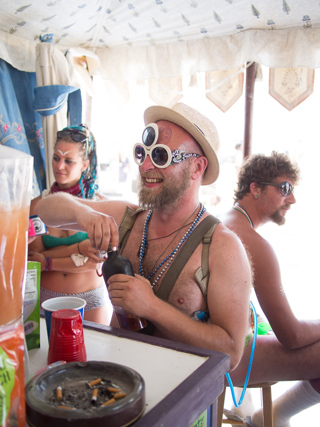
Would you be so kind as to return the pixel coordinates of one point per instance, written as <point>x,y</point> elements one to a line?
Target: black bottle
<point>118,264</point>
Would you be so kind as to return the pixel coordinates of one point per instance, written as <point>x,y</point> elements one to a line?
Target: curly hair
<point>260,168</point>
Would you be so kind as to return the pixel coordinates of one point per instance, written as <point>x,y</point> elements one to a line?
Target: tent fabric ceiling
<point>165,38</point>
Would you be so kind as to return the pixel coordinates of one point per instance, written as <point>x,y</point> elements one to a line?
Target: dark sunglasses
<point>76,134</point>
<point>161,156</point>
<point>285,187</point>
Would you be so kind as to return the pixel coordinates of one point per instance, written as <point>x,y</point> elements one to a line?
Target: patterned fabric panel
<point>113,23</point>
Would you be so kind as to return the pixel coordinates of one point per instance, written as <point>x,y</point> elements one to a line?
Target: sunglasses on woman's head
<point>160,155</point>
<point>76,134</point>
<point>285,187</point>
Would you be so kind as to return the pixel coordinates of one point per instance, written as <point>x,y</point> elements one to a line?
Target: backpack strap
<point>200,232</point>
<point>202,273</point>
<point>126,225</point>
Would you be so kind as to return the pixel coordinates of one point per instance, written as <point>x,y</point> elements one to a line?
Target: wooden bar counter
<point>182,382</point>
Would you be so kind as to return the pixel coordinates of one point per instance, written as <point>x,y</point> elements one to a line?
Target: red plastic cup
<point>66,337</point>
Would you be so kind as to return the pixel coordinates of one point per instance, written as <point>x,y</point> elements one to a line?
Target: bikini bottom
<point>95,298</point>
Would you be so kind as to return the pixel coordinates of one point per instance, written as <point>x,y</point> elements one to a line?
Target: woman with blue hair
<point>66,270</point>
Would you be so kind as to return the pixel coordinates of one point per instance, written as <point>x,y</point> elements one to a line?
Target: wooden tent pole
<point>250,80</point>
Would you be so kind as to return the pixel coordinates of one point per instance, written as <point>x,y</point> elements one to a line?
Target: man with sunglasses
<point>265,193</point>
<point>176,156</point>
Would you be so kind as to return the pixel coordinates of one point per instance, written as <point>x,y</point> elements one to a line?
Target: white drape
<point>285,48</point>
<point>272,48</point>
<point>51,68</point>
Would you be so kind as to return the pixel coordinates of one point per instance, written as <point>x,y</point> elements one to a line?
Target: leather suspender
<point>199,233</point>
<point>203,231</point>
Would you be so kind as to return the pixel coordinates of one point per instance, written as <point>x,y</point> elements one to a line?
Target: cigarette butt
<point>108,402</point>
<point>95,382</point>
<point>59,393</point>
<point>113,389</point>
<point>94,395</point>
<point>65,407</point>
<point>119,395</point>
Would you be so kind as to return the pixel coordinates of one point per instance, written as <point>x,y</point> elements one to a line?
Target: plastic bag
<point>12,398</point>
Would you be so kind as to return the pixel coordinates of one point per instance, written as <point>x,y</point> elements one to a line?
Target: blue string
<point>244,389</point>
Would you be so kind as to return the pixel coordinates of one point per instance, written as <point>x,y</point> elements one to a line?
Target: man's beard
<point>277,218</point>
<point>171,191</point>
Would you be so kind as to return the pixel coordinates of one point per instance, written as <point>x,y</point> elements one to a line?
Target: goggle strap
<point>180,156</point>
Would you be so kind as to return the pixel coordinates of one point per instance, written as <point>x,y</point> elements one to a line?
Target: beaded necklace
<point>167,260</point>
<point>240,209</point>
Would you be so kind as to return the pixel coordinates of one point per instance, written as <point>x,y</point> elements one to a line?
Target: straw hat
<point>197,125</point>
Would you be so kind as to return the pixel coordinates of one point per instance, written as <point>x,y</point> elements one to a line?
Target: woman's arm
<point>64,265</point>
<point>83,248</point>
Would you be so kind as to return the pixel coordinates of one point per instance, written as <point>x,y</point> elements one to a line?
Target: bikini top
<point>53,241</point>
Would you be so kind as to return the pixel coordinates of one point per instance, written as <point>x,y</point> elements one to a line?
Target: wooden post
<point>250,80</point>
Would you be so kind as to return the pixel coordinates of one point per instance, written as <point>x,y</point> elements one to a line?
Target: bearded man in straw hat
<point>177,155</point>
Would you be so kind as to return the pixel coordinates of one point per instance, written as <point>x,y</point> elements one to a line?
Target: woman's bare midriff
<point>70,283</point>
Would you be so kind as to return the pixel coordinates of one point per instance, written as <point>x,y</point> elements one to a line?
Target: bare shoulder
<point>263,259</point>
<point>226,239</point>
<point>227,252</point>
<point>254,243</point>
<point>230,269</point>
<point>259,248</point>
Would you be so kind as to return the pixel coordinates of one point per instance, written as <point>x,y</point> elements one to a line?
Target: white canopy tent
<point>155,40</point>
<point>144,39</point>
<point>133,40</point>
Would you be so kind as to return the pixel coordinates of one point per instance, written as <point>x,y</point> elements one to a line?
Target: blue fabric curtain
<point>50,99</point>
<point>20,124</point>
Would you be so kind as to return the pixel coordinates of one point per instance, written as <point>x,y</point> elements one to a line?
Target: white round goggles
<point>160,155</point>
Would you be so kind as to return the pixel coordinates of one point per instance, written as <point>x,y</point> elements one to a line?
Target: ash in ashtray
<point>86,396</point>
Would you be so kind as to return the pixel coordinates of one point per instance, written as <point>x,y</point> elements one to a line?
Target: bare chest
<point>158,257</point>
